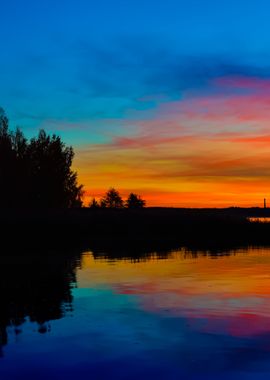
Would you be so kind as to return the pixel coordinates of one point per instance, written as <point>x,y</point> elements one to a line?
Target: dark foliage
<point>36,286</point>
<point>94,203</point>
<point>135,201</point>
<point>112,199</point>
<point>36,173</point>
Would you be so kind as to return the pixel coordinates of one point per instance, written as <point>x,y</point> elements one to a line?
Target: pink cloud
<point>206,137</point>
<point>219,314</point>
<point>249,83</point>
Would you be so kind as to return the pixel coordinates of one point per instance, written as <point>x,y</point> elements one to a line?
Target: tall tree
<point>54,184</point>
<point>7,163</point>
<point>36,173</point>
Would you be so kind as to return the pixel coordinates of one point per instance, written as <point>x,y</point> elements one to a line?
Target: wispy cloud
<point>203,143</point>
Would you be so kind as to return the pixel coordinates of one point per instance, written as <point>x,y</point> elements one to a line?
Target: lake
<point>176,315</point>
<point>260,219</point>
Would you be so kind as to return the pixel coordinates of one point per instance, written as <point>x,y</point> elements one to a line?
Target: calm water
<point>181,317</point>
<point>265,219</point>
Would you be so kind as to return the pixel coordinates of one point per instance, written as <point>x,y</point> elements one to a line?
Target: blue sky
<point>87,60</point>
<point>91,70</point>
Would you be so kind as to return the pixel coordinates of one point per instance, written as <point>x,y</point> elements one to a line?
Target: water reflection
<point>259,219</point>
<point>180,314</point>
<point>36,288</point>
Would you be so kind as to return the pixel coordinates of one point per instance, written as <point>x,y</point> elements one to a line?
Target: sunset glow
<point>199,151</point>
<point>166,99</point>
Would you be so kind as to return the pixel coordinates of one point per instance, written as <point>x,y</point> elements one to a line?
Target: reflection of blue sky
<point>110,336</point>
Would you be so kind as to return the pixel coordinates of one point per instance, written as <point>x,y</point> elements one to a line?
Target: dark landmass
<point>145,230</point>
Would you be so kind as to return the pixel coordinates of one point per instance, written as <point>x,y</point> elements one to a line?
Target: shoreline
<point>141,229</point>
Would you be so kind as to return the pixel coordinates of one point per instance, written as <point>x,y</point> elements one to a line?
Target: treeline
<point>113,199</point>
<point>36,172</point>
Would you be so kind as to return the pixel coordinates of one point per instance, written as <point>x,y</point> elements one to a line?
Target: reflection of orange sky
<point>234,288</point>
<point>205,150</point>
<point>238,274</point>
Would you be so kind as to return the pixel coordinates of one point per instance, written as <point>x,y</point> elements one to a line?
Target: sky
<point>167,99</point>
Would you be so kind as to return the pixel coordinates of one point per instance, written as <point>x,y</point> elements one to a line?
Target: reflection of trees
<point>135,251</point>
<point>37,287</point>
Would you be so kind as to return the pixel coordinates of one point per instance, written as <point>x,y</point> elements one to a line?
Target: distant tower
<point>264,202</point>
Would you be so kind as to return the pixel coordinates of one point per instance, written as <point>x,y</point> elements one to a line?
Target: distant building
<point>264,202</point>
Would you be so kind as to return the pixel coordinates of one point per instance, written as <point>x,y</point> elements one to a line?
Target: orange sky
<point>203,150</point>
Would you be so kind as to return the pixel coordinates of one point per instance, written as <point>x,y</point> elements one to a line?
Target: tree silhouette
<point>94,203</point>
<point>103,203</point>
<point>36,173</point>
<point>8,163</point>
<point>54,184</point>
<point>134,201</point>
<point>112,199</point>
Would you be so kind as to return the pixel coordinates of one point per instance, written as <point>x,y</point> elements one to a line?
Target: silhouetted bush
<point>36,173</point>
<point>94,203</point>
<point>134,201</point>
<point>112,199</point>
